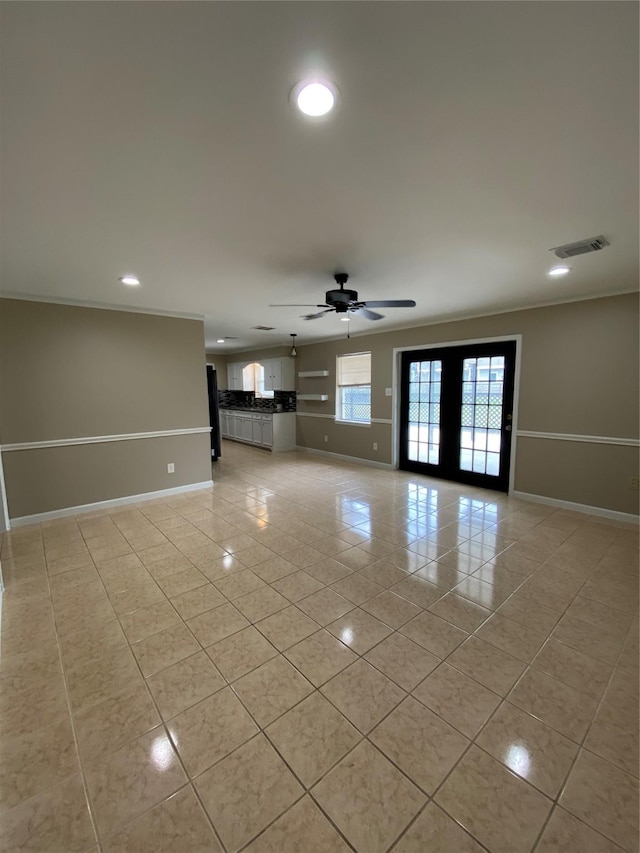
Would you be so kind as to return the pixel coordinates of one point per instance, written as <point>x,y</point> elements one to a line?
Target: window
<point>354,388</point>
<point>253,380</point>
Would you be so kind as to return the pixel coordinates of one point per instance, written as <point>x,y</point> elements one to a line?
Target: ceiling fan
<point>345,301</point>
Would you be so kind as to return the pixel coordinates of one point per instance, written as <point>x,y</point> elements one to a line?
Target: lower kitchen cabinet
<point>244,427</point>
<point>267,432</point>
<point>276,431</point>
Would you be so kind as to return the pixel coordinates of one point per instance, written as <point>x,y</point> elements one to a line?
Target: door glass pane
<point>493,440</point>
<point>482,399</point>
<point>479,461</point>
<point>493,464</point>
<point>423,443</point>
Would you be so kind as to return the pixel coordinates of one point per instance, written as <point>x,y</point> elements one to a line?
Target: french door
<point>456,412</point>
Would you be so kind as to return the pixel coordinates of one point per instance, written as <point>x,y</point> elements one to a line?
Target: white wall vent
<point>570,250</point>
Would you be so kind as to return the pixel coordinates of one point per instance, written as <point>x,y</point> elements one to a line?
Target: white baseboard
<point>342,458</point>
<point>602,512</point>
<point>129,499</point>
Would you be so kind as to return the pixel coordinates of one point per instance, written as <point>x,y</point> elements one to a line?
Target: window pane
<point>479,459</point>
<point>495,440</point>
<point>466,438</point>
<point>355,403</point>
<point>493,464</point>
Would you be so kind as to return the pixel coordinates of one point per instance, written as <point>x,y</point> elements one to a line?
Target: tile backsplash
<point>281,401</point>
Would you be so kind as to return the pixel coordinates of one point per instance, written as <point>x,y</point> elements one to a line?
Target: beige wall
<point>579,375</point>
<point>50,479</point>
<point>71,372</point>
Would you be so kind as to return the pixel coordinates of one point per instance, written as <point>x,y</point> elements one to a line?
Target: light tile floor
<point>315,656</point>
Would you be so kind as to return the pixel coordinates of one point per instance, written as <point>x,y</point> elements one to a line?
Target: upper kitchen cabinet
<point>279,374</point>
<point>271,374</point>
<point>234,376</point>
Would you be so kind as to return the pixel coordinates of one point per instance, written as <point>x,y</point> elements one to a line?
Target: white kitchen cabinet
<point>231,425</point>
<point>279,374</point>
<point>244,427</point>
<point>272,375</point>
<point>263,429</point>
<point>234,376</point>
<point>266,425</point>
<point>275,431</point>
<point>224,425</point>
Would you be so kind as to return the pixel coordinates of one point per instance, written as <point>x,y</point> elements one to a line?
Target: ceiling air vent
<point>570,250</point>
<point>264,328</point>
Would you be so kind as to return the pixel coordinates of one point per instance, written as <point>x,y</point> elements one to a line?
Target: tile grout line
<point>88,798</point>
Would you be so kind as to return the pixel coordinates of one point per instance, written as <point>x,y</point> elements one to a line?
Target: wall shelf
<point>321,397</point>
<point>307,374</point>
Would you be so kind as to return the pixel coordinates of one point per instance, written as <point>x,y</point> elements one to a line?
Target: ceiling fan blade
<point>315,316</point>
<point>295,305</point>
<point>390,303</point>
<point>364,312</point>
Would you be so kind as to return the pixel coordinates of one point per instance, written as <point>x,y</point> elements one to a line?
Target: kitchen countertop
<point>256,410</point>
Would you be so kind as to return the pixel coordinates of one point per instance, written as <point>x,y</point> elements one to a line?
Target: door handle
<point>508,428</point>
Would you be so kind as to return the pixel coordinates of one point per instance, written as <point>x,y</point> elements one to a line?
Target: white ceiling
<point>157,138</point>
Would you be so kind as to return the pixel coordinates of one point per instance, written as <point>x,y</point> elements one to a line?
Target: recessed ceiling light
<point>556,272</point>
<point>220,341</point>
<point>345,319</point>
<point>314,99</point>
<point>130,280</point>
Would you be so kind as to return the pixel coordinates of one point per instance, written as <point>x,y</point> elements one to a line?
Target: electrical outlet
<point>171,468</point>
<point>326,438</point>
<point>634,484</point>
<point>375,445</point>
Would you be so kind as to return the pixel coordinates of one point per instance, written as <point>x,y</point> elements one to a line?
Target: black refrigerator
<point>214,417</point>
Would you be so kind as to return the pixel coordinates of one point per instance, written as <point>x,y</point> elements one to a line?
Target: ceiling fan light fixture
<point>314,98</point>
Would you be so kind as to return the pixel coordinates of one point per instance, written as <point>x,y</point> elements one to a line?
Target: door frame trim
<point>395,402</point>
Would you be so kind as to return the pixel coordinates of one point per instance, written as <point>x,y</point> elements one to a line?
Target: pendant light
<point>293,345</point>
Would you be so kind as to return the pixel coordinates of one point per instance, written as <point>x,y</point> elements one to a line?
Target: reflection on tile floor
<point>315,656</point>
